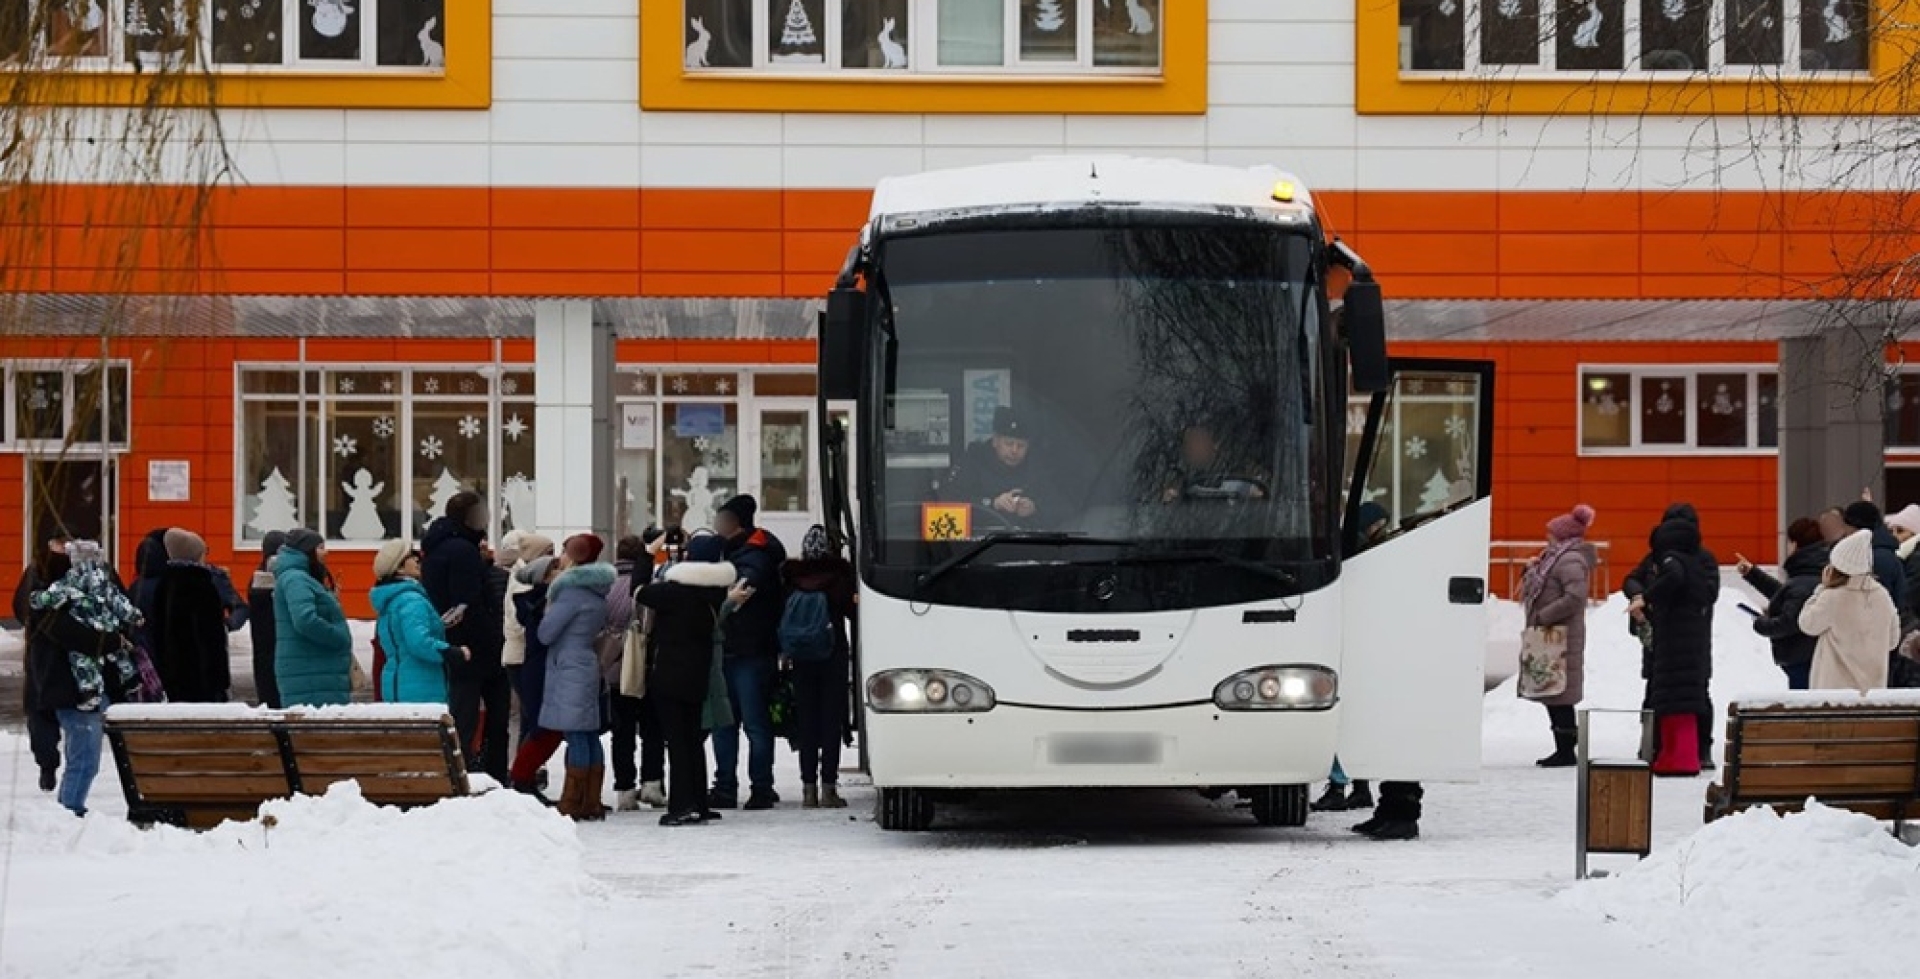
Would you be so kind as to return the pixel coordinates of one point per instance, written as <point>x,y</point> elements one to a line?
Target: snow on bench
<point>370,713</point>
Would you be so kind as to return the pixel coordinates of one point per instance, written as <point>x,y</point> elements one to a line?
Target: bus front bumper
<point>1029,747</point>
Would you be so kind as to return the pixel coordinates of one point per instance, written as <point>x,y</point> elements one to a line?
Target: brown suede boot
<point>570,793</point>
<point>592,808</point>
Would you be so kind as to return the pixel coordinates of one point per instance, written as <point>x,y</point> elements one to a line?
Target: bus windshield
<point>1151,390</point>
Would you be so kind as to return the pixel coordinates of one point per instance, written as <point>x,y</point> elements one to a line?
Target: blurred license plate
<point>1104,749</point>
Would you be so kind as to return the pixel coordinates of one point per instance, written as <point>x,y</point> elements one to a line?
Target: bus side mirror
<point>843,344</point>
<point>1365,317</point>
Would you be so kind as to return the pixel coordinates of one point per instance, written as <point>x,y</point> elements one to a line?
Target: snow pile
<point>1759,895</point>
<point>320,886</point>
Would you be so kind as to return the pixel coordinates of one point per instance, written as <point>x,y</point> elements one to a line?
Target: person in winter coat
<point>149,562</point>
<point>752,649</point>
<point>820,686</point>
<point>186,625</point>
<point>1887,567</point>
<point>495,747</point>
<point>636,728</point>
<point>1854,620</point>
<point>1905,527</point>
<point>1635,587</point>
<point>313,649</point>
<point>688,600</point>
<point>1679,605</point>
<point>1780,623</point>
<point>454,572</point>
<point>43,723</point>
<point>517,550</point>
<point>260,619</point>
<point>80,666</point>
<point>537,744</point>
<point>1554,594</point>
<point>418,653</point>
<point>576,612</point>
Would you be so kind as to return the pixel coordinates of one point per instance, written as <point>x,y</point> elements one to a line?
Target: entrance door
<point>71,498</point>
<point>782,437</point>
<point>1414,594</point>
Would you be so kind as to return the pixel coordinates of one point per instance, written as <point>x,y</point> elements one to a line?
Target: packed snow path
<point>1147,884</point>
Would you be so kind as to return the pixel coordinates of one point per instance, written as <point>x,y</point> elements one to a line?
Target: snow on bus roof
<point>1084,179</point>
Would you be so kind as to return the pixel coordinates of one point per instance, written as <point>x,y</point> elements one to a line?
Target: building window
<point>1625,410</point>
<point>135,35</point>
<point>371,452</point>
<point>924,36</point>
<point>63,404</point>
<point>1658,37</point>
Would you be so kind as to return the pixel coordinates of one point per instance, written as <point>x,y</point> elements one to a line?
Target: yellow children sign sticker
<point>946,521</point>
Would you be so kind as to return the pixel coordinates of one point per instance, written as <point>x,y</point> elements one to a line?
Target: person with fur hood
<point>573,701</point>
<point>689,601</point>
<point>1678,605</point>
<point>1853,619</point>
<point>1554,595</point>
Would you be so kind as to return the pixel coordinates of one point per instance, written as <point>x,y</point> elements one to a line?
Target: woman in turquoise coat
<point>313,650</point>
<point>411,632</point>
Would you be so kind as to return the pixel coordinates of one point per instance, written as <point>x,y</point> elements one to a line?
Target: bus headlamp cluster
<point>927,692</point>
<point>1278,688</point>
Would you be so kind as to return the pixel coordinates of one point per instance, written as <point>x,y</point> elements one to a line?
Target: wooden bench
<point>1847,751</point>
<point>195,765</point>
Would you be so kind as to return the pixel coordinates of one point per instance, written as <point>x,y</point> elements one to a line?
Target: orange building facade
<point>349,335</point>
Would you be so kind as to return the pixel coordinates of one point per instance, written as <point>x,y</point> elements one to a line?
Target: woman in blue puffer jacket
<point>576,612</point>
<point>313,648</point>
<point>414,637</point>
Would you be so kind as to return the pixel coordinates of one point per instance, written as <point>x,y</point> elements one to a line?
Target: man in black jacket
<point>1792,648</point>
<point>187,624</point>
<point>43,724</point>
<point>752,647</point>
<point>457,576</point>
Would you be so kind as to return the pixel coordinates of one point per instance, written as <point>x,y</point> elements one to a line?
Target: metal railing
<point>1514,555</point>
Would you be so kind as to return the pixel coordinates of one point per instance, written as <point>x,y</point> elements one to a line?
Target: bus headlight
<point>1278,688</point>
<point>927,692</point>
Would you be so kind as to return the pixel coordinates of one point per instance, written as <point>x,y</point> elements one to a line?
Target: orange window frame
<point>1887,88</point>
<point>465,83</point>
<point>1179,89</point>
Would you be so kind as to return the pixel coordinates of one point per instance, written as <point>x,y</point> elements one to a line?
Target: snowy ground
<point>1134,884</point>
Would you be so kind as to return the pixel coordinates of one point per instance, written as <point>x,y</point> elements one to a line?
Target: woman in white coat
<point>1853,618</point>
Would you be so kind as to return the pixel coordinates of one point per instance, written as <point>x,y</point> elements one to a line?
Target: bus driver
<point>994,474</point>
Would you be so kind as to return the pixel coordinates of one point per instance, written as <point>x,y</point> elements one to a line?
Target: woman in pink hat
<point>1554,595</point>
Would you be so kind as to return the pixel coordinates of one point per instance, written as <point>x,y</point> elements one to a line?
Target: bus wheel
<point>905,810</point>
<point>1280,805</point>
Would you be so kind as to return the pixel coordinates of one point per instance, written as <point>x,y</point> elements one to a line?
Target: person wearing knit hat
<point>742,509</point>
<point>186,629</point>
<point>752,647</point>
<point>260,620</point>
<point>80,662</point>
<point>411,633</point>
<point>185,545</point>
<point>1554,596</point>
<point>583,549</point>
<point>1853,619</point>
<point>1888,569</point>
<point>313,648</point>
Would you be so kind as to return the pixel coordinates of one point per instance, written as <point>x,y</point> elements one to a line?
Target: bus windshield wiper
<point>990,541</point>
<point>1215,557</point>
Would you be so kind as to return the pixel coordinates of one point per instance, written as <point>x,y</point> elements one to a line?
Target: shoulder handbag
<point>1543,660</point>
<point>633,665</point>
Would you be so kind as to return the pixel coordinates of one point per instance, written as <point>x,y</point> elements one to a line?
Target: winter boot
<point>682,819</point>
<point>1395,830</point>
<point>529,788</point>
<point>653,794</point>
<point>570,793</point>
<point>49,779</point>
<point>593,808</point>
<point>1679,755</point>
<point>1332,800</point>
<point>830,797</point>
<point>626,800</point>
<point>717,799</point>
<point>1361,797</point>
<point>1564,742</point>
<point>760,799</point>
<point>810,796</point>
<point>1372,824</point>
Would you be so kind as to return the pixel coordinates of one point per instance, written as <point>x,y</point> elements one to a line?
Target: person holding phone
<point>1853,619</point>
<point>454,570</point>
<point>418,653</point>
<point>1780,621</point>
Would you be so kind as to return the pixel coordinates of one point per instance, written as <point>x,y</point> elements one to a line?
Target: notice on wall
<point>169,481</point>
<point>636,426</point>
<point>985,391</point>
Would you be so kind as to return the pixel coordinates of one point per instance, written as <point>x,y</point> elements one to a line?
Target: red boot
<point>1679,746</point>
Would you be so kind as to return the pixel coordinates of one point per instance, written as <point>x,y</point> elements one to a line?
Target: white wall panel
<point>411,126</point>
<point>1282,44</point>
<point>296,164</point>
<point>1282,11</point>
<point>1553,168</point>
<point>1428,169</point>
<point>839,166</point>
<point>707,128</point>
<point>710,166</point>
<point>1295,85</point>
<point>425,164</point>
<point>947,157</point>
<point>567,81</point>
<point>564,123</point>
<point>833,129</point>
<point>560,38</point>
<point>1139,131</point>
<point>964,130</point>
<point>1253,127</point>
<point>1316,168</point>
<point>551,165</point>
<point>305,126</point>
